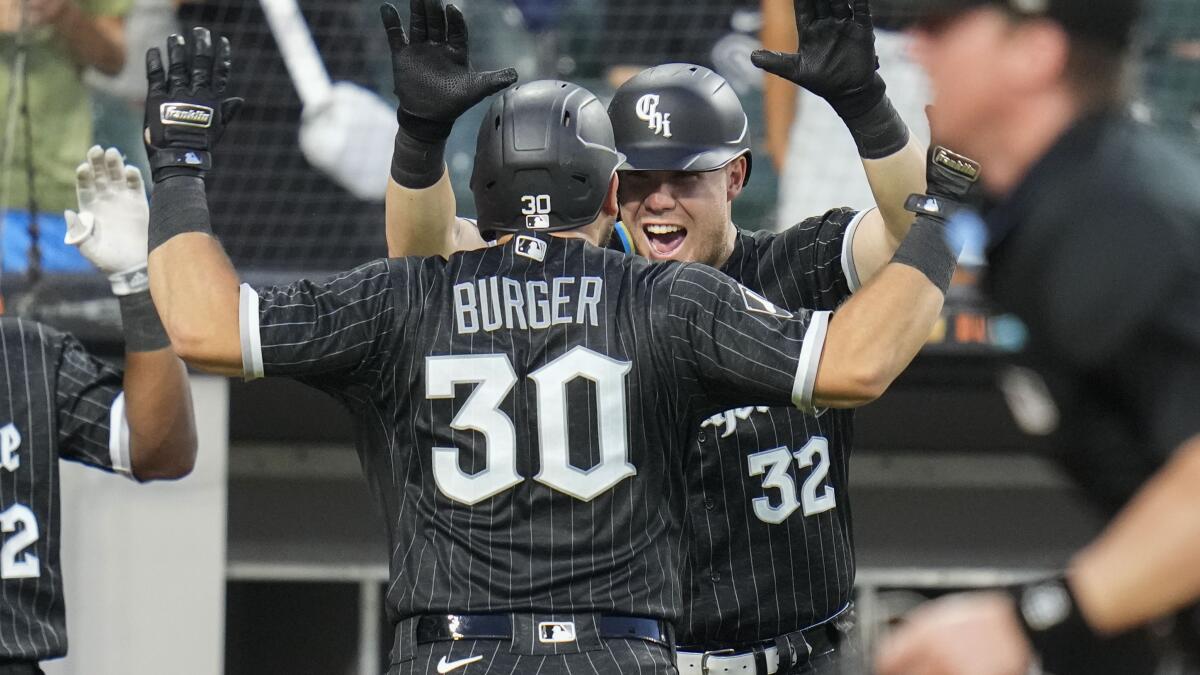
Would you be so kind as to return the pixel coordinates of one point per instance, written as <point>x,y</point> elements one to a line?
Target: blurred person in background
<point>804,138</point>
<point>49,44</point>
<point>119,98</point>
<point>1093,232</point>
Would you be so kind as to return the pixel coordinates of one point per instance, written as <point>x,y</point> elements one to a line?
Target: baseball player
<point>771,551</point>
<point>60,402</point>
<point>1094,242</point>
<point>523,408</point>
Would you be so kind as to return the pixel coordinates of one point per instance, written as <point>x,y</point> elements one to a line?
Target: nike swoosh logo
<point>445,666</point>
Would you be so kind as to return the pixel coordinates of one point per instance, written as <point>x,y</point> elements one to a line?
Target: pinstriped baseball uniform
<point>523,411</point>
<point>58,402</point>
<point>771,548</point>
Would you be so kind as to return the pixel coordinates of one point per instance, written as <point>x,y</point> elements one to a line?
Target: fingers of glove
<point>222,63</point>
<point>806,12</point>
<point>177,64</point>
<point>417,23</point>
<point>840,9</point>
<point>456,28</point>
<point>776,63</point>
<point>114,166</point>
<point>394,27</point>
<point>96,170</point>
<point>202,58</point>
<point>862,12</point>
<point>85,184</point>
<point>133,180</point>
<point>497,80</point>
<point>822,8</point>
<point>79,227</point>
<point>435,17</point>
<point>156,80</point>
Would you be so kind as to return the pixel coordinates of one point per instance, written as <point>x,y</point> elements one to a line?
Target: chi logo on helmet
<point>656,121</point>
<point>186,114</point>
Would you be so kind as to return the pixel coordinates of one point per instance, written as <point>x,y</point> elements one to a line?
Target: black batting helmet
<point>544,159</point>
<point>679,117</point>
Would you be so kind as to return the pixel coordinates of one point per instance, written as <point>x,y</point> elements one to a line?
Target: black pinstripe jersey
<point>771,548</point>
<point>59,402</point>
<point>523,411</point>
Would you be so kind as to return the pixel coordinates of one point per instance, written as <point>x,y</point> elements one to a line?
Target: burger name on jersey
<point>496,302</point>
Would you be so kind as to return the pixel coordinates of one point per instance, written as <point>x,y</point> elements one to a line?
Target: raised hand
<point>186,111</point>
<point>431,66</point>
<point>110,227</point>
<point>836,56</point>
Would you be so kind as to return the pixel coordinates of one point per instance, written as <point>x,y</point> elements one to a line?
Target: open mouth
<point>665,240</point>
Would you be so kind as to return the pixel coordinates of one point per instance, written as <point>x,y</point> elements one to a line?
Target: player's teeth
<point>663,229</point>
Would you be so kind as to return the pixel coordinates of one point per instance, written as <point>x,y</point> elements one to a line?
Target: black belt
<point>439,627</point>
<point>778,655</point>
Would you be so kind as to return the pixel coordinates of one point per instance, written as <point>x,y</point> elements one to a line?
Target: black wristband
<point>143,329</point>
<point>1067,645</point>
<point>417,163</point>
<point>878,131</point>
<point>178,205</point>
<point>170,162</point>
<point>926,250</point>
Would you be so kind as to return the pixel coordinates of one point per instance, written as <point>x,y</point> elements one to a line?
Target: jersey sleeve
<point>335,328</point>
<point>92,428</point>
<point>812,263</point>
<point>736,346</point>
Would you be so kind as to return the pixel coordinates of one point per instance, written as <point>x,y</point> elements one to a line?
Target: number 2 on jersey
<point>775,463</point>
<point>14,565</point>
<point>494,376</point>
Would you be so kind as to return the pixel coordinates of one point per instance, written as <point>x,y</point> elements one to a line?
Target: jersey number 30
<point>494,376</point>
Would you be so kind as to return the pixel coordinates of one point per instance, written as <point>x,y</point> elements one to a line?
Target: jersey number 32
<point>494,376</point>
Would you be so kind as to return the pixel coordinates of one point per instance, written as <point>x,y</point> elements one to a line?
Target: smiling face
<point>682,215</point>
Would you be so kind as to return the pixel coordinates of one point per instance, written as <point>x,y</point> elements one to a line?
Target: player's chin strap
<point>1067,645</point>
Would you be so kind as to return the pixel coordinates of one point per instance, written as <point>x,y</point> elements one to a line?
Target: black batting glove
<point>431,67</point>
<point>186,112</point>
<point>835,58</point>
<point>951,181</point>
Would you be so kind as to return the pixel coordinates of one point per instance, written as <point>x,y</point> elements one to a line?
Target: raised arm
<point>435,85</point>
<point>156,405</point>
<point>835,59</point>
<point>194,285</point>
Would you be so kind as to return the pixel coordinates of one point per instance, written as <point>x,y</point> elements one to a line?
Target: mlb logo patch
<point>553,632</point>
<point>757,303</point>
<point>537,222</point>
<point>531,247</point>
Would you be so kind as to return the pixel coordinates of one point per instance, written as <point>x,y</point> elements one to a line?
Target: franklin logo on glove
<point>188,114</point>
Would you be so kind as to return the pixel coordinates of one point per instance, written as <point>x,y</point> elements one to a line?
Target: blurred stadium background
<point>948,491</point>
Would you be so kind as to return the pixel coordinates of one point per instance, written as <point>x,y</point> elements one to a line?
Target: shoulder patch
<point>759,304</point>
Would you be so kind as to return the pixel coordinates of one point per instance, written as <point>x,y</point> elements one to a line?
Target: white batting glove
<point>110,228</point>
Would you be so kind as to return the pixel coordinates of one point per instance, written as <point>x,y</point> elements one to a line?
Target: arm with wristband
<point>836,60</point>
<point>435,85</point>
<point>110,230</point>
<point>194,285</point>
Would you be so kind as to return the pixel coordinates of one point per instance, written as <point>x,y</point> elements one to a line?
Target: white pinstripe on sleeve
<point>118,437</point>
<point>252,358</point>
<point>810,360</point>
<point>848,266</point>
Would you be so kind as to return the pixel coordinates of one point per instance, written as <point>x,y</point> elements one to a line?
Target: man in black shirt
<point>59,402</point>
<point>524,408</point>
<point>1094,242</point>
